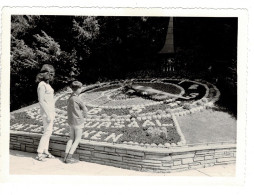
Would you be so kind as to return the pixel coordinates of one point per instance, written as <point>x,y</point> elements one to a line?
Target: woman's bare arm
<point>41,95</point>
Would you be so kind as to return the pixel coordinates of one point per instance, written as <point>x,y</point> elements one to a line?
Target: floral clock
<point>135,112</point>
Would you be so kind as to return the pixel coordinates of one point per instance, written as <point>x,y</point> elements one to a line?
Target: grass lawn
<point>208,126</point>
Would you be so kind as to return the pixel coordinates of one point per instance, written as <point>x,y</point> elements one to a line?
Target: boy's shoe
<point>71,161</point>
<point>40,158</point>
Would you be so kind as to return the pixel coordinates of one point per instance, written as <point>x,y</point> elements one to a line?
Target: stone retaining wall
<point>133,157</point>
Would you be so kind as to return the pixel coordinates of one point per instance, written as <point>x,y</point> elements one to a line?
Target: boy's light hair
<point>76,85</point>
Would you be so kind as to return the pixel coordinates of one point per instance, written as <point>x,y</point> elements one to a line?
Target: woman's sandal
<point>48,155</point>
<point>40,158</point>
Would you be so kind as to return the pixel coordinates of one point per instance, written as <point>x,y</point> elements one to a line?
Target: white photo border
<point>242,51</point>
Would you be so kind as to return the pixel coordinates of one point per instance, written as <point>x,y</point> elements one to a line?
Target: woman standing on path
<point>47,108</point>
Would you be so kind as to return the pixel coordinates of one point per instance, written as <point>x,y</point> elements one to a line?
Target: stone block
<point>209,157</point>
<point>106,156</point>
<point>76,156</point>
<point>187,160</point>
<point>225,163</point>
<point>135,153</point>
<point>108,149</point>
<point>165,164</point>
<point>86,155</point>
<point>135,168</point>
<point>221,155</point>
<point>25,140</point>
<point>194,163</point>
<point>57,146</point>
<point>58,142</point>
<point>84,158</point>
<point>146,169</point>
<point>200,166</point>
<point>180,167</point>
<point>121,151</point>
<point>162,169</point>
<point>86,149</point>
<point>184,155</point>
<point>31,146</point>
<point>131,156</point>
<point>37,139</point>
<point>55,153</point>
<point>225,159</point>
<point>152,167</point>
<point>16,147</point>
<point>224,151</point>
<point>100,148</point>
<point>150,161</point>
<point>209,161</point>
<point>178,170</point>
<point>17,144</point>
<point>79,151</point>
<point>199,158</point>
<point>177,162</point>
<point>158,157</point>
<point>142,162</point>
<point>32,150</point>
<point>23,147</point>
<point>205,152</point>
<point>62,154</point>
<point>102,162</point>
<point>86,146</point>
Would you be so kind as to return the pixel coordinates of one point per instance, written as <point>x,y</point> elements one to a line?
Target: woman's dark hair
<point>47,68</point>
<point>46,72</point>
<point>42,76</point>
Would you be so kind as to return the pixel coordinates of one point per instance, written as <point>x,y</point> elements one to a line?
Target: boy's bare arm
<point>84,108</point>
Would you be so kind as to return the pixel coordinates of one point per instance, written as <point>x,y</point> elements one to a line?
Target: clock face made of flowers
<point>146,97</point>
<point>135,112</point>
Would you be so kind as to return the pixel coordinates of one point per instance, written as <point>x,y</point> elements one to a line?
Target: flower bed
<point>187,97</point>
<point>117,115</point>
<point>130,130</point>
<point>114,130</point>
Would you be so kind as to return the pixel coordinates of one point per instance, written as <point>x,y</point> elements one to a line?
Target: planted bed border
<point>151,158</point>
<point>140,158</point>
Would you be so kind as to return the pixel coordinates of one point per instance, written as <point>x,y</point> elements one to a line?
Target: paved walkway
<point>24,163</point>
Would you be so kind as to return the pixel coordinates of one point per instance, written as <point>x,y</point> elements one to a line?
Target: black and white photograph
<point>136,94</point>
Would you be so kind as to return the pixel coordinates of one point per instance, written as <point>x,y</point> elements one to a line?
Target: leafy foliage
<point>91,49</point>
<point>26,60</point>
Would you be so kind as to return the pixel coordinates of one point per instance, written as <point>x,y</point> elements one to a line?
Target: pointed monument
<point>168,47</point>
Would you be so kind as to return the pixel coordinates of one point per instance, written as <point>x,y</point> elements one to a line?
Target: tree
<point>23,65</point>
<point>48,51</point>
<point>27,59</point>
<point>86,48</point>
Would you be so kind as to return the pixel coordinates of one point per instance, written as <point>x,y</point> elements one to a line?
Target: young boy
<point>76,111</point>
